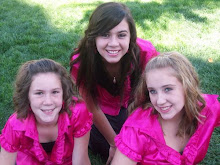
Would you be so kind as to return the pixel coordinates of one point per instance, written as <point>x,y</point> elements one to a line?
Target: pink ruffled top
<point>108,103</point>
<point>22,137</point>
<point>141,138</point>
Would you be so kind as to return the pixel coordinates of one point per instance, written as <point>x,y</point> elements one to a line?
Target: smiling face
<point>46,97</point>
<point>113,45</point>
<point>166,92</point>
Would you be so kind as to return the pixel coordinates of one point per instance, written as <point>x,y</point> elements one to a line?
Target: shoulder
<point>212,108</point>
<point>75,66</point>
<point>81,119</point>
<point>145,45</point>
<point>75,56</point>
<point>141,118</point>
<point>134,138</point>
<point>16,124</point>
<point>147,51</point>
<point>211,99</point>
<point>79,110</point>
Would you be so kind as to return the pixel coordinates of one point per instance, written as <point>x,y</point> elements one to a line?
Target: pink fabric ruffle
<point>8,147</point>
<point>85,129</point>
<point>126,150</point>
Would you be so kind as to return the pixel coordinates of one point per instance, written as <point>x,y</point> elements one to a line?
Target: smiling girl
<point>106,67</point>
<point>48,126</point>
<point>171,121</point>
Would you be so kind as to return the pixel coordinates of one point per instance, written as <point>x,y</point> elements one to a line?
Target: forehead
<point>123,25</point>
<point>45,80</point>
<point>161,76</point>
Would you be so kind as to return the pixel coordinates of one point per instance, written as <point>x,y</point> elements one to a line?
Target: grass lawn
<point>34,29</point>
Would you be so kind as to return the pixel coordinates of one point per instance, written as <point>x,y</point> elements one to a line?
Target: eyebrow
<point>167,85</point>
<point>43,90</point>
<point>122,31</point>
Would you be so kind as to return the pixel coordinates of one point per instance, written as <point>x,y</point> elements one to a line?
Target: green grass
<point>34,29</point>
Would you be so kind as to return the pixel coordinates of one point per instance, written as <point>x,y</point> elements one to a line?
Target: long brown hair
<point>24,80</point>
<point>186,74</point>
<point>104,18</point>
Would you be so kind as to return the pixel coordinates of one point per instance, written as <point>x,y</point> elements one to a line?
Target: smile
<point>112,51</point>
<point>47,111</point>
<point>165,109</point>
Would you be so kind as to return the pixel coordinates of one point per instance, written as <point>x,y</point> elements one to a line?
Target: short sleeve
<point>147,51</point>
<point>9,139</point>
<point>81,119</point>
<point>213,105</point>
<point>131,142</point>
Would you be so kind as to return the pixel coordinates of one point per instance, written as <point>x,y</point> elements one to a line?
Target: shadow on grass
<point>27,33</point>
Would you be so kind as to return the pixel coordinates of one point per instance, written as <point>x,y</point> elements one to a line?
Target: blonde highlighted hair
<point>186,74</point>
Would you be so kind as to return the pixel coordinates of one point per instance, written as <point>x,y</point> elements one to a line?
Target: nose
<point>48,99</point>
<point>161,99</point>
<point>113,41</point>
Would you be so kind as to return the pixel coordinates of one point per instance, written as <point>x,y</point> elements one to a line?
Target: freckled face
<point>166,92</point>
<point>113,45</point>
<point>46,97</point>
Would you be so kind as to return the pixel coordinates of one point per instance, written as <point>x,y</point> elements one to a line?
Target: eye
<point>152,91</point>
<point>38,93</point>
<point>105,35</point>
<point>168,89</point>
<point>122,35</point>
<point>55,92</point>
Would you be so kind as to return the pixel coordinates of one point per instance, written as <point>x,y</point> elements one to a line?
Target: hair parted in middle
<point>103,19</point>
<point>186,74</point>
<point>24,79</point>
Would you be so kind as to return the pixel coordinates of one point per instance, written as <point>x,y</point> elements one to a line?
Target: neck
<point>170,126</point>
<point>113,69</point>
<point>47,125</point>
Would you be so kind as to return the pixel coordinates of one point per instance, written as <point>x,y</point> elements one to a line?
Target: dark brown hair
<point>104,18</point>
<point>24,80</point>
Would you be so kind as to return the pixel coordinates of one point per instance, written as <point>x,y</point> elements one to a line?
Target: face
<point>113,45</point>
<point>46,97</point>
<point>166,93</point>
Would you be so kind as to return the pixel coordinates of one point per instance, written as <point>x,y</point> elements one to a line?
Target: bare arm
<point>7,158</point>
<point>102,124</point>
<point>80,151</point>
<point>121,159</point>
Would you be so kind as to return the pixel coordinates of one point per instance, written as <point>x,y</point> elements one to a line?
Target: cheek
<point>153,100</point>
<point>126,45</point>
<point>59,100</point>
<point>99,44</point>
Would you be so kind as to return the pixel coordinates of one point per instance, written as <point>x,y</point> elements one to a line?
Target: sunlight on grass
<point>34,29</point>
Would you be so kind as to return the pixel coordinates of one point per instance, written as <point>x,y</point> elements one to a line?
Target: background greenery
<point>34,29</point>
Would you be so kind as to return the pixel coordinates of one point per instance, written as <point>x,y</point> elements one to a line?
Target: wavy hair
<point>103,19</point>
<point>186,74</point>
<point>24,79</point>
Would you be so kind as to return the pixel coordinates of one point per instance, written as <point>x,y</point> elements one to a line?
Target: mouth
<point>165,109</point>
<point>47,111</point>
<point>112,52</point>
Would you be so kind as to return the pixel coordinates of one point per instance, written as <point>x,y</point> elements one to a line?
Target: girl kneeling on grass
<point>106,67</point>
<point>173,122</point>
<point>49,125</point>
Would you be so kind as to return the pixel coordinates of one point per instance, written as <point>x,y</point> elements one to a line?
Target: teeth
<point>112,51</point>
<point>48,110</point>
<point>165,108</point>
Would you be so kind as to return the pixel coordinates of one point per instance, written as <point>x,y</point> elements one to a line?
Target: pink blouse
<point>22,137</point>
<point>141,138</point>
<point>111,104</point>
